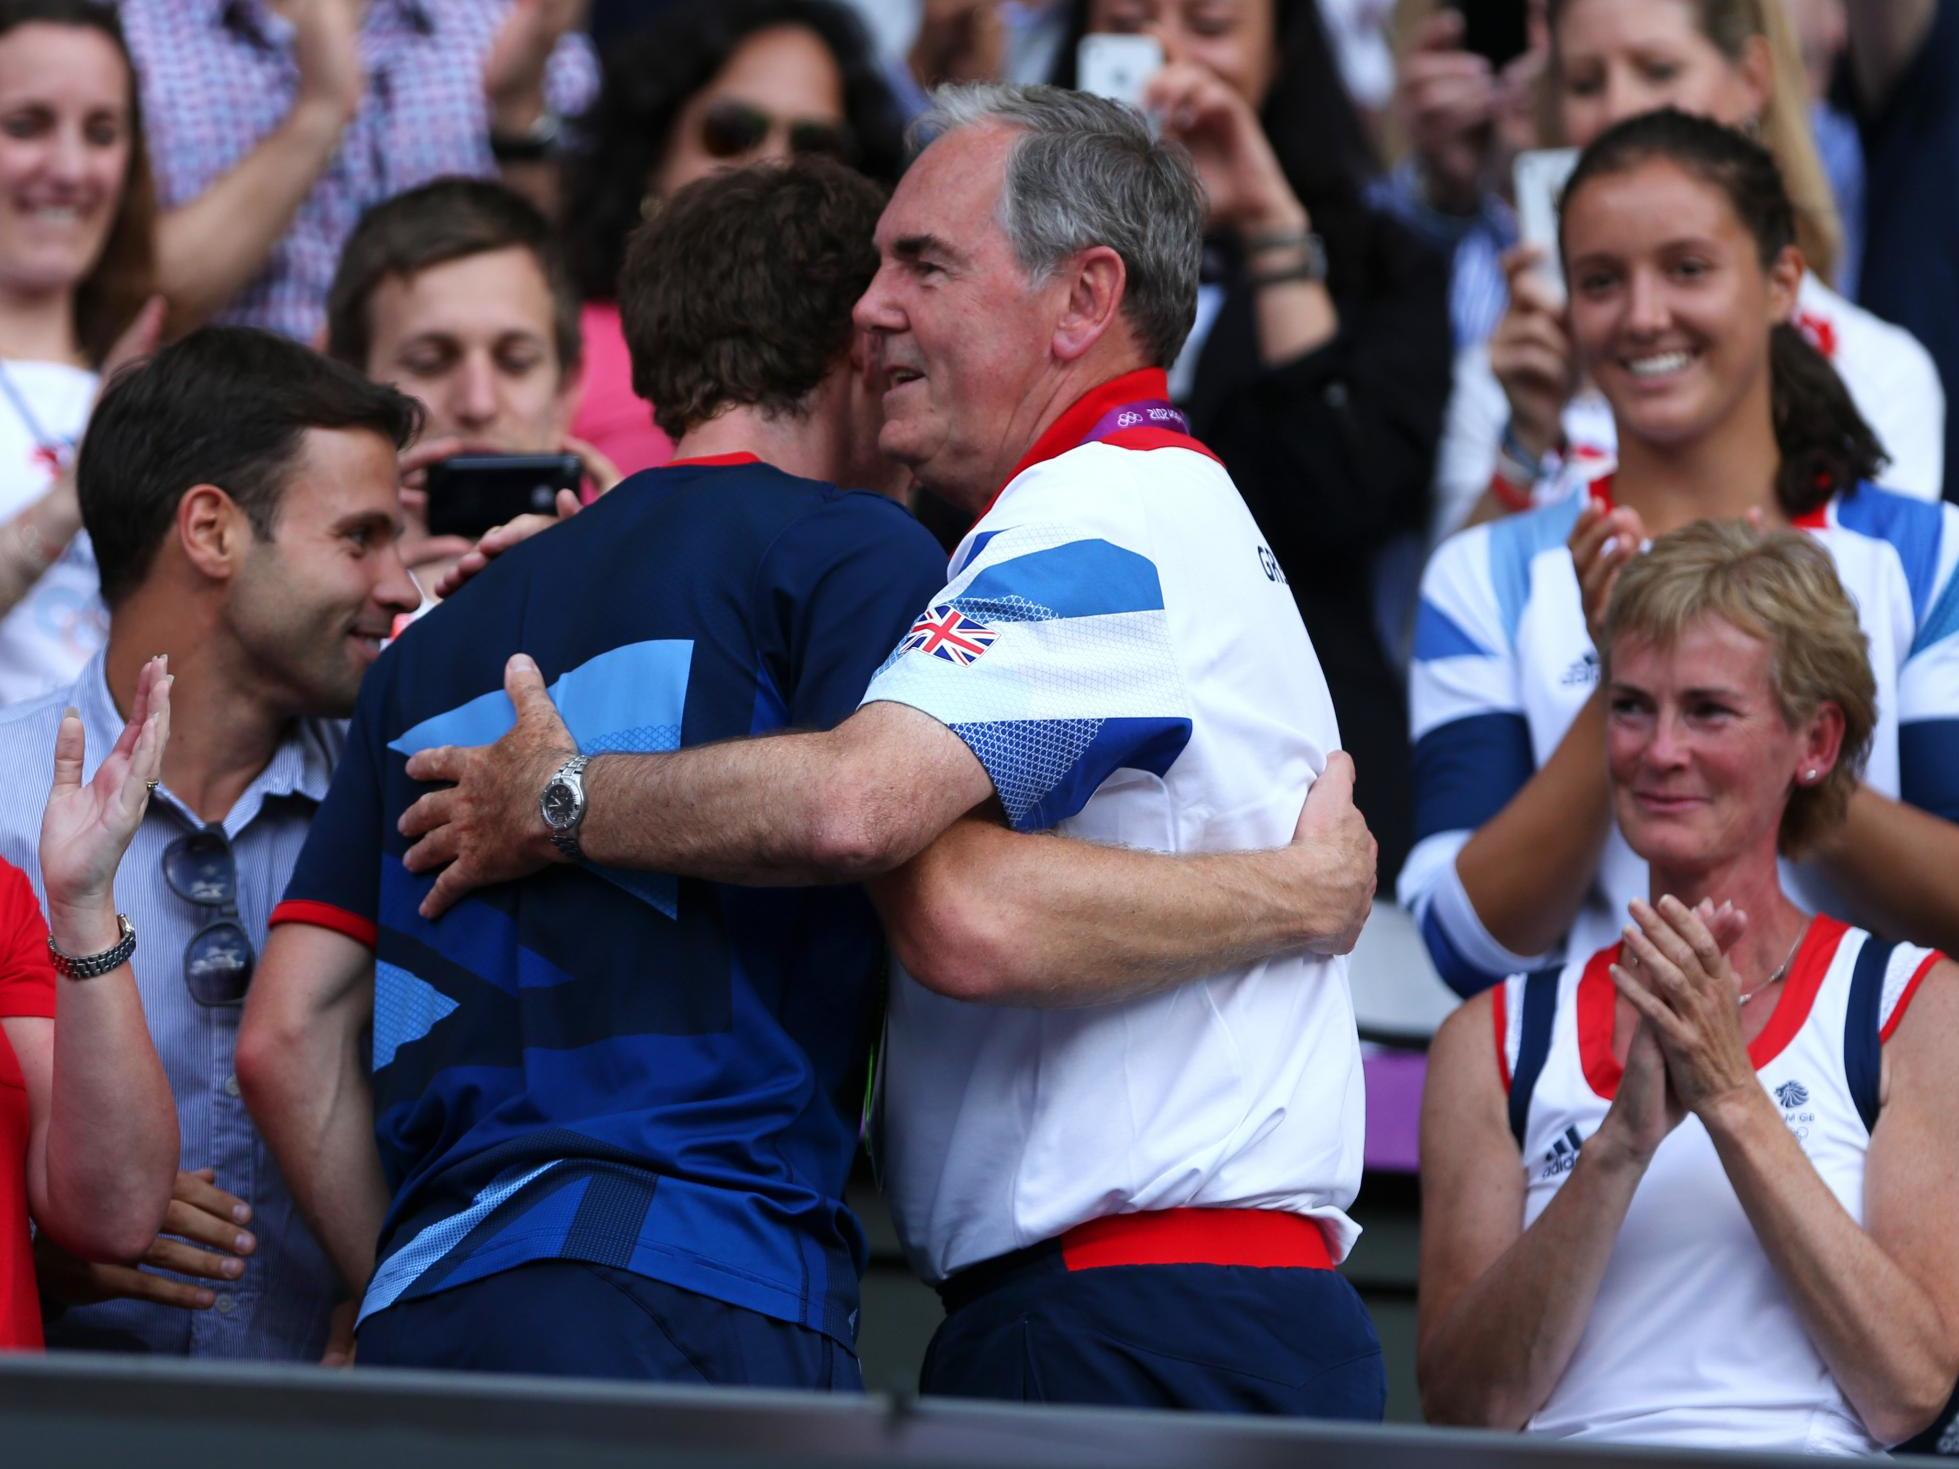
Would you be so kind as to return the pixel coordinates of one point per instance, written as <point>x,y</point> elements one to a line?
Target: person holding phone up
<point>1522,427</point>
<point>1318,367</point>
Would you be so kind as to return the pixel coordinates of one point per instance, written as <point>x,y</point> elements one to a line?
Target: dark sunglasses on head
<point>731,129</point>
<point>201,868</point>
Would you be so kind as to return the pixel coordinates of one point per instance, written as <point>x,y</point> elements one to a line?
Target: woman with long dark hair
<point>1319,367</point>
<point>1679,245</point>
<point>705,87</point>
<point>77,226</point>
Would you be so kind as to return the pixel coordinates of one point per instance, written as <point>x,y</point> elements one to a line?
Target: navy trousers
<point>568,1318</point>
<point>1209,1338</point>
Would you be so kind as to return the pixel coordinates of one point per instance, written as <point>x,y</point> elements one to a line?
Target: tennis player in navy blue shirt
<point>615,1110</point>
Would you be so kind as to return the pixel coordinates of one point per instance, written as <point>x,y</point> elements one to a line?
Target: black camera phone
<point>1495,29</point>
<point>471,493</point>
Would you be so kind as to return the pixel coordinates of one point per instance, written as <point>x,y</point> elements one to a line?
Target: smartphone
<point>473,492</point>
<point>1540,176</point>
<point>1494,28</point>
<point>1117,67</point>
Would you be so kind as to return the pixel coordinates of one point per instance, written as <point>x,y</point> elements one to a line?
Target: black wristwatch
<point>92,966</point>
<point>535,145</point>
<point>562,805</point>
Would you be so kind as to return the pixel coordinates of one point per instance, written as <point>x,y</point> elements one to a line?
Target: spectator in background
<point>705,87</point>
<point>1319,364</point>
<point>275,123</point>
<point>88,1147</point>
<point>457,293</point>
<point>1902,84</point>
<point>1522,422</point>
<point>76,217</point>
<point>1698,1195</point>
<point>1679,244</point>
<point>241,494</point>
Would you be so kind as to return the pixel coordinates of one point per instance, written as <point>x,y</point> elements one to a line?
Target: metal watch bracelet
<point>93,966</point>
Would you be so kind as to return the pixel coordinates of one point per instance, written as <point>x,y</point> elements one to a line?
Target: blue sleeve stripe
<point>1081,579</point>
<point>1863,1060</point>
<point>973,551</point>
<point>1438,635</point>
<point>1540,1001</point>
<point>1943,620</point>
<point>1911,527</point>
<point>1465,978</point>
<point>1046,770</point>
<point>1928,766</point>
<point>1468,769</point>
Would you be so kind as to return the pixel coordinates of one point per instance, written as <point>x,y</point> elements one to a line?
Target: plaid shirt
<point>218,77</point>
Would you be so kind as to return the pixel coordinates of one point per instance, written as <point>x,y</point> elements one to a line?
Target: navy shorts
<point>569,1318</point>
<point>1208,1338</point>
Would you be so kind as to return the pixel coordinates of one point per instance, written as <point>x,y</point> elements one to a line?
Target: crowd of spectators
<point>1260,420</point>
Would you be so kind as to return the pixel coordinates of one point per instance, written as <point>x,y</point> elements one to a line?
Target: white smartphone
<point>1540,177</point>
<point>1117,67</point>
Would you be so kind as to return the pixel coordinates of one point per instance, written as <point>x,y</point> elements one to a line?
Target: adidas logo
<point>1563,1156</point>
<point>1584,671</point>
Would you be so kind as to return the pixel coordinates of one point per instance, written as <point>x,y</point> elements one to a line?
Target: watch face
<point>560,804</point>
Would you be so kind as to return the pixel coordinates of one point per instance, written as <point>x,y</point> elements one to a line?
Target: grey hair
<point>1086,171</point>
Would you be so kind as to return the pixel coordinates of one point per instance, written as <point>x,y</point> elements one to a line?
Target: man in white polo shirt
<point>1138,1199</point>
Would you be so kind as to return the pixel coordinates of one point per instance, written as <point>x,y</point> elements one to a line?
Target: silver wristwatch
<point>562,805</point>
<point>94,966</point>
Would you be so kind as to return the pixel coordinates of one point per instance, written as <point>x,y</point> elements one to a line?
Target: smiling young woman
<point>77,217</point>
<point>1679,246</point>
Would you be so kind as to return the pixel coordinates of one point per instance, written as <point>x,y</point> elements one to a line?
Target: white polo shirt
<point>1118,647</point>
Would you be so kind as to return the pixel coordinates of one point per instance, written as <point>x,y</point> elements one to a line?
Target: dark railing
<point>92,1412</point>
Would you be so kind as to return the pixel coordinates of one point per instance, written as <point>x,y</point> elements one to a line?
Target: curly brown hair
<point>738,291</point>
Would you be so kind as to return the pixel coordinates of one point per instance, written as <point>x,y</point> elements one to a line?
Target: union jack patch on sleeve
<point>945,632</point>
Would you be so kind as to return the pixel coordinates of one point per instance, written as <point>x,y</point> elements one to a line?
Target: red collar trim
<point>1068,431</point>
<point>1598,1000</point>
<point>1600,489</point>
<point>713,461</point>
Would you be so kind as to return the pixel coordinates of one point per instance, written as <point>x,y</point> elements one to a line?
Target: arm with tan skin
<point>1248,195</point>
<point>1528,868</point>
<point>1896,863</point>
<point>1880,1302</point>
<point>210,248</point>
<point>102,1144</point>
<point>303,1068</point>
<point>819,807</point>
<point>1502,1307</point>
<point>514,82</point>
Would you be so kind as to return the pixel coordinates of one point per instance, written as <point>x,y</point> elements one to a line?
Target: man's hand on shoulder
<point>1332,860</point>
<point>485,827</point>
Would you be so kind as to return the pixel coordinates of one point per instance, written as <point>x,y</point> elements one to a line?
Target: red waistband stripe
<point>1259,1237</point>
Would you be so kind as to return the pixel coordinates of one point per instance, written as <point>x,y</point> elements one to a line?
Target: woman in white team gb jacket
<point>1694,1188</point>
<point>1679,244</point>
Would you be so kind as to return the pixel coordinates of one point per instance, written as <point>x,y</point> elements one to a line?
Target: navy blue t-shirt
<point>1911,234</point>
<point>658,1074</point>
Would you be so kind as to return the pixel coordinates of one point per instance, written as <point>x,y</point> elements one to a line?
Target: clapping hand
<point>1685,991</point>
<point>1602,542</point>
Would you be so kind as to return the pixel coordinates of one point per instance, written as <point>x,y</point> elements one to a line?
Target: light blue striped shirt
<point>278,1308</point>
